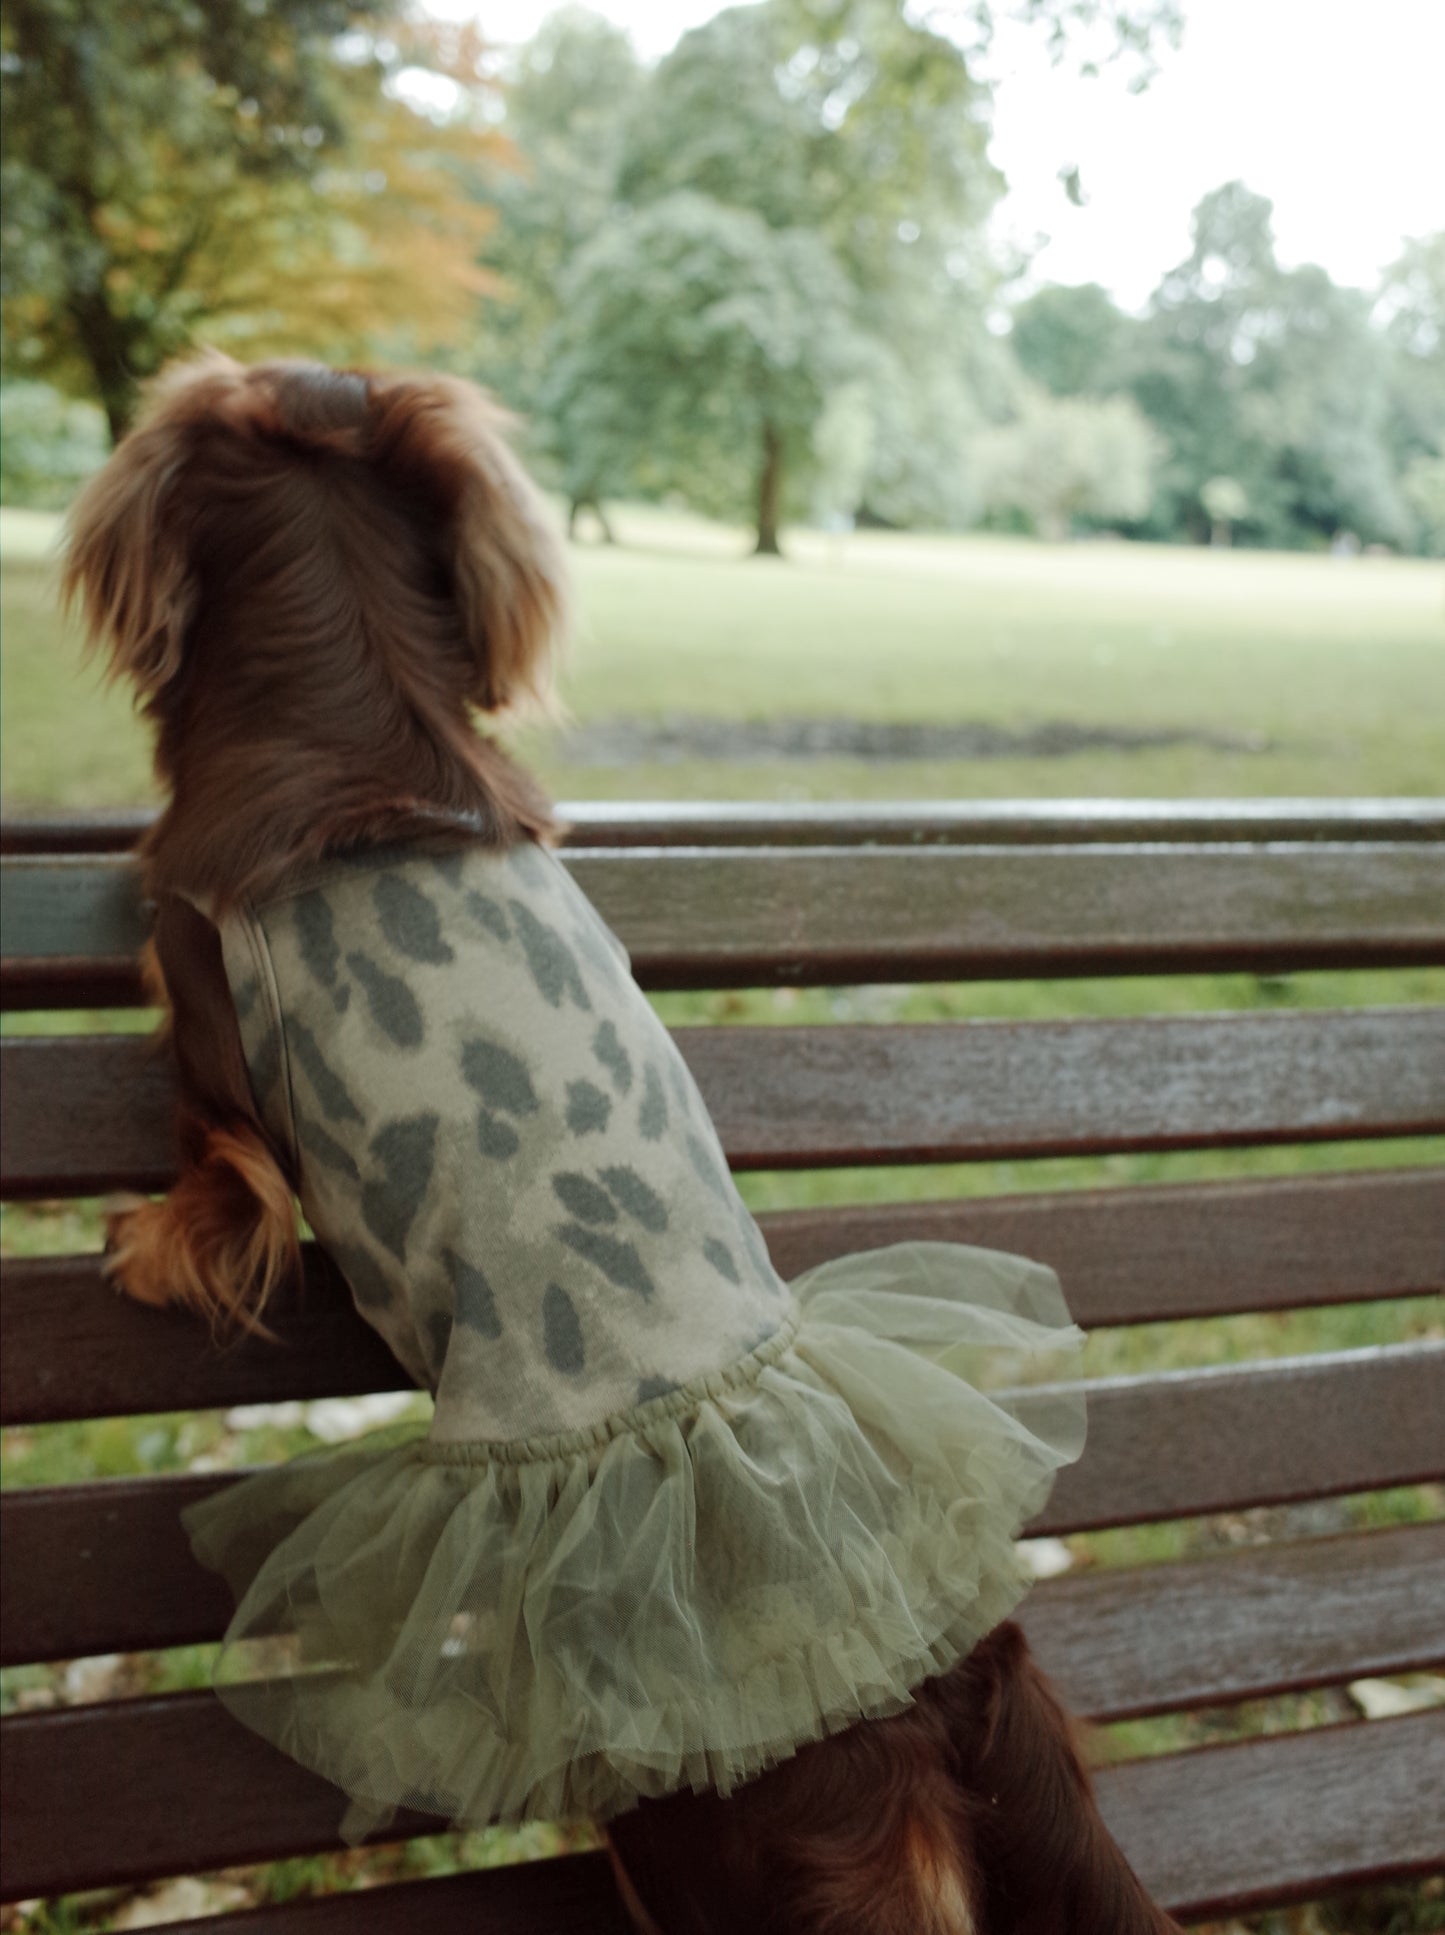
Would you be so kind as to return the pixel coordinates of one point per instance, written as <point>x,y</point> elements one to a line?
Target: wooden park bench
<point>126,1791</point>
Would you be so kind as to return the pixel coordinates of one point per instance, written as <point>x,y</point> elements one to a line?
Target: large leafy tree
<point>568,101</point>
<point>249,168</point>
<point>697,350</point>
<point>1073,339</point>
<point>1268,377</point>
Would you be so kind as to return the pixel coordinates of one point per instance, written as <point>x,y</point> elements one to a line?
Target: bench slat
<point>1211,1831</point>
<point>601,823</point>
<point>82,1114</point>
<point>106,1567</point>
<point>71,1348</point>
<point>738,918</point>
<point>1246,1625</point>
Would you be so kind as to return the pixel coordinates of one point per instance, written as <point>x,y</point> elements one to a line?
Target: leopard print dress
<point>669,1517</point>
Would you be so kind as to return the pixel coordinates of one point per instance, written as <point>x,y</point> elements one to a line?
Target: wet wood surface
<point>1213,1831</point>
<point>71,1347</point>
<point>106,1567</point>
<point>741,917</point>
<point>83,1114</point>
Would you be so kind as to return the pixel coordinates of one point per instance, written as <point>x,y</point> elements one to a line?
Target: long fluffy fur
<point>312,579</point>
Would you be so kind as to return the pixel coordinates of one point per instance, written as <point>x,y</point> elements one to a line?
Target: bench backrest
<point>125,1791</point>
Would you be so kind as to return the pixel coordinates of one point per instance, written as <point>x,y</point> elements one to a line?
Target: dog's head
<point>310,519</point>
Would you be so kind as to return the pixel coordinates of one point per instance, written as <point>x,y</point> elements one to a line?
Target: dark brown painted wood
<point>601,823</point>
<point>1227,1829</point>
<point>71,1348</point>
<point>1246,1625</point>
<point>738,918</point>
<point>1219,1829</point>
<point>1182,1443</point>
<point>572,1894</point>
<point>82,1114</point>
<point>106,1567</point>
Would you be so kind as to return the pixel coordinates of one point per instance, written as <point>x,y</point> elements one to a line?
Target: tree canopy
<point>248,168</point>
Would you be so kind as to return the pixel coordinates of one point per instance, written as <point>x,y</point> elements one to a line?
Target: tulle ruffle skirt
<point>683,1596</point>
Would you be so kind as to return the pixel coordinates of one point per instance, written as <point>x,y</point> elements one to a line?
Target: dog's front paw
<point>139,1249</point>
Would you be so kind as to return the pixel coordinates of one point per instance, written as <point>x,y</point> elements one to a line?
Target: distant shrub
<point>49,445</point>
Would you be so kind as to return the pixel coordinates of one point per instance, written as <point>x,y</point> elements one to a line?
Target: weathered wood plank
<point>1245,1625</point>
<point>739,917</point>
<point>71,1348</point>
<point>106,1567</point>
<point>82,1114</point>
<point>1232,1828</point>
<point>602,823</point>
<point>1210,1832</point>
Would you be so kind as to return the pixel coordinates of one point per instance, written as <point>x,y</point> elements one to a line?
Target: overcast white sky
<point>1332,108</point>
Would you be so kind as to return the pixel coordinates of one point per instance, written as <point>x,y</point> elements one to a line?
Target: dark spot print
<point>496,1138</point>
<point>486,913</point>
<point>369,1284</point>
<point>707,1167</point>
<point>326,1149</point>
<point>393,1005</point>
<point>409,921</point>
<point>437,1339</point>
<point>406,1151</point>
<point>498,1076</point>
<point>583,1199</point>
<point>320,951</point>
<point>552,963</point>
<point>638,1198</point>
<point>588,1107</point>
<point>652,1116</point>
<point>331,1091</point>
<point>562,1331</point>
<point>649,1388</point>
<point>472,1298</point>
<point>721,1259</point>
<point>450,866</point>
<point>613,1056</point>
<point>618,1261</point>
<point>243,998</point>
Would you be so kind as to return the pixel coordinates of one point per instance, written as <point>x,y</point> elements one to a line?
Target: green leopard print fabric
<point>496,1139</point>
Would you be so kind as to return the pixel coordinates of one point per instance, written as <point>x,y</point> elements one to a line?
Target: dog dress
<point>670,1517</point>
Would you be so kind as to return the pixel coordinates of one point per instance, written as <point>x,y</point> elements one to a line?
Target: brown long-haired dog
<point>314,580</point>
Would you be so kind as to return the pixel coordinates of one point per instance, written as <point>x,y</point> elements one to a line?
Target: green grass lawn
<point>1324,677</point>
<point>1336,667</point>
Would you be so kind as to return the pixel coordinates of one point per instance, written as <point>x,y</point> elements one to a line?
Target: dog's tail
<point>1049,1865</point>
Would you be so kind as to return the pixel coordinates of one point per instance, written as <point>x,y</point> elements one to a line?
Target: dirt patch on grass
<point>678,737</point>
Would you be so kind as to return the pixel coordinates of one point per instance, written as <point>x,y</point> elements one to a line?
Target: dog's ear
<point>126,556</point>
<point>443,441</point>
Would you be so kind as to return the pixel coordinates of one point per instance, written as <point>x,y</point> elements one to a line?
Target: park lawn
<point>1325,677</point>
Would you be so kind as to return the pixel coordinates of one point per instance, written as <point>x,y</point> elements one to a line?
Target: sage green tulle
<point>679,1598</point>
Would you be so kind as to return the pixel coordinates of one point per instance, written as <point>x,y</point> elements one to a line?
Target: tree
<point>1067,458</point>
<point>251,168</point>
<point>1269,377</point>
<point>567,100</point>
<point>697,349</point>
<point>1411,311</point>
<point>1225,502</point>
<point>1073,340</point>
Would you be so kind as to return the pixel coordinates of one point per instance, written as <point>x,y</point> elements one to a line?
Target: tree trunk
<point>770,486</point>
<point>103,341</point>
